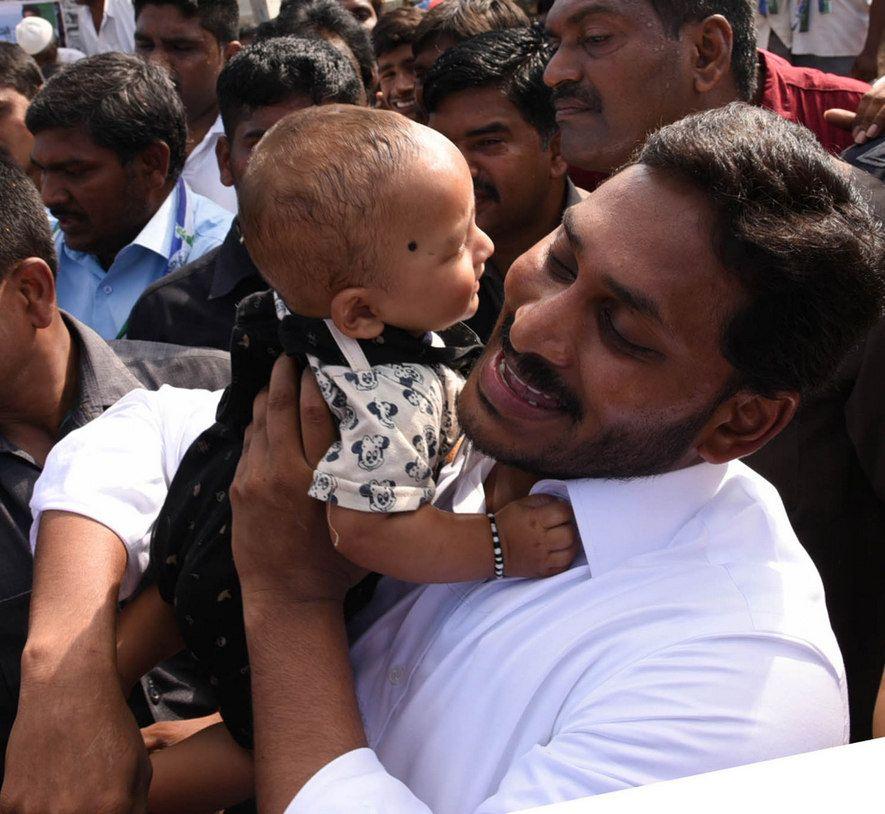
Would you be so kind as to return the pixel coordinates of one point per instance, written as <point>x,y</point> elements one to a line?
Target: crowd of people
<point>455,410</point>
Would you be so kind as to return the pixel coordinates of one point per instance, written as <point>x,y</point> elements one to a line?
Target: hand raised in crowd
<point>868,121</point>
<point>538,536</point>
<point>280,535</point>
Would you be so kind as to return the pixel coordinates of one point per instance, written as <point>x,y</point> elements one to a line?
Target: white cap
<point>34,34</point>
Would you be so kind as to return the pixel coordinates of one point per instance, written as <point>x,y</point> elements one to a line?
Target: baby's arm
<point>427,545</point>
<point>147,634</point>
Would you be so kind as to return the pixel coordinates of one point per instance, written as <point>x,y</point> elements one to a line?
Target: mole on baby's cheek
<point>413,246</point>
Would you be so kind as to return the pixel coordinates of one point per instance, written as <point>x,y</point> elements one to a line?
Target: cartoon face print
<point>327,388</point>
<point>324,487</point>
<point>383,411</point>
<point>380,495</point>
<point>417,470</point>
<point>362,380</point>
<point>407,375</point>
<point>418,400</point>
<point>426,443</point>
<point>334,452</point>
<point>348,419</point>
<point>370,451</point>
<point>426,495</point>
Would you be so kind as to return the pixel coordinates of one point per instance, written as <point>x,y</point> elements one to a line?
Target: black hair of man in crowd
<point>274,70</point>
<point>325,19</point>
<point>395,28</point>
<point>741,16</point>
<point>19,71</point>
<point>795,233</point>
<point>512,60</point>
<point>458,20</point>
<point>221,18</point>
<point>124,104</point>
<point>24,228</point>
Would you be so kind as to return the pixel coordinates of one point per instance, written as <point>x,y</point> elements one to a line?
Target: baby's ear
<point>354,313</point>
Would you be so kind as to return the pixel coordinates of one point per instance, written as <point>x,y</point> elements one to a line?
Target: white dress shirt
<point>692,635</point>
<point>202,174</point>
<point>116,32</point>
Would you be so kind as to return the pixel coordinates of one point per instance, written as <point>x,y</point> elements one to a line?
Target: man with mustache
<point>487,95</point>
<point>192,40</point>
<point>623,68</point>
<point>670,326</point>
<point>109,141</point>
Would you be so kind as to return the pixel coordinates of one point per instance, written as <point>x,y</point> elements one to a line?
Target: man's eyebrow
<point>586,11</point>
<point>635,300</point>
<point>488,129</point>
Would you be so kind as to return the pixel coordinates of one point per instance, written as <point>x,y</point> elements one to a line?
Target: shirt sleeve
<point>694,707</point>
<point>117,469</point>
<point>389,424</point>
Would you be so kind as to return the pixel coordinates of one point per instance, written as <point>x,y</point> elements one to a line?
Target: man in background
<point>392,41</point>
<point>106,25</point>
<point>20,80</point>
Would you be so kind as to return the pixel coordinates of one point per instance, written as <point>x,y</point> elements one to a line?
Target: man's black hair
<point>741,16</point>
<point>395,28</point>
<point>123,102</point>
<point>512,60</point>
<point>221,18</point>
<point>24,229</point>
<point>324,18</point>
<point>794,232</point>
<point>462,19</point>
<point>274,70</point>
<point>19,71</point>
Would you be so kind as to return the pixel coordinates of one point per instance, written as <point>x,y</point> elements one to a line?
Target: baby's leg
<point>203,773</point>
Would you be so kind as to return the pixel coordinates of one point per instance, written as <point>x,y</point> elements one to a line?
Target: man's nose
<point>562,67</point>
<point>545,328</point>
<point>52,191</point>
<point>404,83</point>
<point>160,59</point>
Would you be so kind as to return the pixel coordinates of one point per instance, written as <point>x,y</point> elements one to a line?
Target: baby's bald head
<point>324,189</point>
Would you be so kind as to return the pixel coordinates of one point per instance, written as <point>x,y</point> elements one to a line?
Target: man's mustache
<point>58,213</point>
<point>574,91</point>
<point>486,189</point>
<point>535,372</point>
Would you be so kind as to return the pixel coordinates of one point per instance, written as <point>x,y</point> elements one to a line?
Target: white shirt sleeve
<point>692,708</point>
<point>117,469</point>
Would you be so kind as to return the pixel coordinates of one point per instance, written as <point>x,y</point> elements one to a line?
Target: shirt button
<point>395,675</point>
<point>108,289</point>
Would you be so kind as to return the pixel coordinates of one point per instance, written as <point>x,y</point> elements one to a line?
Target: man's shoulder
<point>810,79</point>
<point>210,219</point>
<point>157,363</point>
<point>191,280</point>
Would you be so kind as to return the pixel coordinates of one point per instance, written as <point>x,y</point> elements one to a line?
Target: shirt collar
<point>232,264</point>
<point>157,234</point>
<point>103,379</point>
<point>621,519</point>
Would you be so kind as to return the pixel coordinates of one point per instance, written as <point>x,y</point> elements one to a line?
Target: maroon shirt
<point>803,94</point>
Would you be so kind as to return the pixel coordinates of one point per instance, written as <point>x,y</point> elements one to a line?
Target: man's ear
<point>33,282</point>
<point>744,423</point>
<point>231,50</point>
<point>713,41</point>
<point>558,165</point>
<point>154,161</point>
<point>222,156</point>
<point>354,313</point>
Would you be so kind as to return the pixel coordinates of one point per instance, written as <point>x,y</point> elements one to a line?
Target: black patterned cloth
<point>191,558</point>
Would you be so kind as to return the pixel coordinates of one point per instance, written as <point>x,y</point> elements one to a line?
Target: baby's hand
<point>538,536</point>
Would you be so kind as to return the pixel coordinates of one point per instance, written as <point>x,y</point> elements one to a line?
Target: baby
<point>363,223</point>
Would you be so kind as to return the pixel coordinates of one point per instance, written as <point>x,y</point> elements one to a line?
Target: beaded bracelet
<point>496,548</point>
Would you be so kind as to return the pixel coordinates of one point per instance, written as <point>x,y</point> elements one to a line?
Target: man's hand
<point>868,121</point>
<point>538,536</point>
<point>75,747</point>
<point>95,765</point>
<point>280,535</point>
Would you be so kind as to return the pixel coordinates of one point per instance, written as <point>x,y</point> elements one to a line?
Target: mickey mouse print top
<point>396,420</point>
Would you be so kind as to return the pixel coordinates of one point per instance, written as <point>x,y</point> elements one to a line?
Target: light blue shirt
<point>180,231</point>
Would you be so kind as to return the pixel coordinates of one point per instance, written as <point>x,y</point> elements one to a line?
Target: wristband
<point>496,548</point>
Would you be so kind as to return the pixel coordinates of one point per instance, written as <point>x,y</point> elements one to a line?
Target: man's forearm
<point>304,705</point>
<point>78,567</point>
